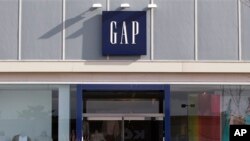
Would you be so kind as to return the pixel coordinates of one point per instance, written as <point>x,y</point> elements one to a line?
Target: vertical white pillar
<point>107,5</point>
<point>239,31</point>
<point>19,50</point>
<point>196,30</point>
<point>64,113</point>
<point>63,31</point>
<point>152,32</point>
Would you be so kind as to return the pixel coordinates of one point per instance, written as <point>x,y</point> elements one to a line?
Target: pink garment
<point>215,105</point>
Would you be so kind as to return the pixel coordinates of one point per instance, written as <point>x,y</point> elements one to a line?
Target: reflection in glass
<point>200,119</point>
<point>26,112</point>
<point>102,130</point>
<point>34,112</point>
<point>123,102</point>
<point>123,116</point>
<point>216,108</point>
<point>143,130</point>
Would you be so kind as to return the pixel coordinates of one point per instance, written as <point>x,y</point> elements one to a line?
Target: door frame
<point>121,87</point>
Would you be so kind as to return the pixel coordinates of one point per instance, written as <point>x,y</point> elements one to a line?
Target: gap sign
<point>124,33</point>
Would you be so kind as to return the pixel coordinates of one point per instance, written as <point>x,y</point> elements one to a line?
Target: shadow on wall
<point>34,112</point>
<point>68,23</point>
<point>91,40</point>
<point>91,33</point>
<point>246,2</point>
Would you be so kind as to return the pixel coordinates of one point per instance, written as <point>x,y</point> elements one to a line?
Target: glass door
<point>144,128</point>
<point>123,116</point>
<point>123,127</point>
<point>102,128</point>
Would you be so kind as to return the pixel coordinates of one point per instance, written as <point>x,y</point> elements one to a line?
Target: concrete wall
<point>217,30</point>
<point>8,29</point>
<point>173,30</point>
<point>41,29</point>
<point>245,29</point>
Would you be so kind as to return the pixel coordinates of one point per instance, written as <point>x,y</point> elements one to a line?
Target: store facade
<point>122,111</point>
<point>123,70</point>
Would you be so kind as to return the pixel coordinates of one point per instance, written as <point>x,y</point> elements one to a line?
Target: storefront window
<point>204,113</point>
<point>34,112</point>
<point>48,112</point>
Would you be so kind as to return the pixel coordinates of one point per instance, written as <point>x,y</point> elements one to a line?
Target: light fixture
<point>152,5</point>
<point>97,5</point>
<point>125,5</point>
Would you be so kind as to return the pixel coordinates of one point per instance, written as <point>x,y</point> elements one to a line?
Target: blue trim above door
<point>121,87</point>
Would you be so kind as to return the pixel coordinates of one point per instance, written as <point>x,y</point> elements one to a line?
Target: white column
<point>196,30</point>
<point>64,113</point>
<point>152,32</point>
<point>19,50</point>
<point>64,30</point>
<point>239,31</point>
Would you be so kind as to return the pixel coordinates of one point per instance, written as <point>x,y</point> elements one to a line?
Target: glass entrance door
<point>147,128</point>
<point>123,116</point>
<point>123,127</point>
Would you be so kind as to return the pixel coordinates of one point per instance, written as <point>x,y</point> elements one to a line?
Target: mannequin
<point>21,137</point>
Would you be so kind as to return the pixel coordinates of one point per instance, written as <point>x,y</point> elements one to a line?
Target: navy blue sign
<point>124,33</point>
